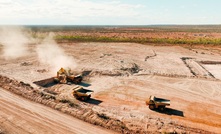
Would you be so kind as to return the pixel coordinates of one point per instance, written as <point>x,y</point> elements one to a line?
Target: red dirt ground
<point>124,75</point>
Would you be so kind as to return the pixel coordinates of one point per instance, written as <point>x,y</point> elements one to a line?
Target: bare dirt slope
<point>124,75</point>
<point>19,115</point>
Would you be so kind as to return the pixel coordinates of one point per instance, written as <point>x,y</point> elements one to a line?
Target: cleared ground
<point>124,75</point>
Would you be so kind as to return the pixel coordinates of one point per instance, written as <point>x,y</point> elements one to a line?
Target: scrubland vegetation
<point>168,34</point>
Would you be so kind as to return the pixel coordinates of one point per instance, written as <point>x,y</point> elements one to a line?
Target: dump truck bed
<point>161,101</point>
<point>84,91</point>
<point>81,93</point>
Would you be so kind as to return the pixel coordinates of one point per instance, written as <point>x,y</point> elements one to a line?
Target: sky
<point>109,12</point>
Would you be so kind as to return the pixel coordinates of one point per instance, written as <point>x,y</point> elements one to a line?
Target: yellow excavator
<point>65,76</point>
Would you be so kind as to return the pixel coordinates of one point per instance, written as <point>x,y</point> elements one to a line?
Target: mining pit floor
<point>122,76</point>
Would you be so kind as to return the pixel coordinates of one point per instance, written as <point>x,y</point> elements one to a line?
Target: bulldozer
<point>65,76</point>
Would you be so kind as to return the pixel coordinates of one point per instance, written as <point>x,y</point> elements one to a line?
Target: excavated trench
<point>213,67</point>
<point>197,69</point>
<point>45,82</point>
<point>210,62</point>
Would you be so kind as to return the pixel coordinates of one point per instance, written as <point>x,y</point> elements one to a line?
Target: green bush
<point>203,41</point>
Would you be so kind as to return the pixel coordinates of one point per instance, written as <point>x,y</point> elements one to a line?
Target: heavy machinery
<point>157,103</point>
<point>66,76</point>
<point>81,94</point>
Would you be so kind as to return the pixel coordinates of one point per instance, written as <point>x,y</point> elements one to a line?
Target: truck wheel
<point>89,97</point>
<point>76,96</point>
<point>83,98</point>
<point>56,80</point>
<point>78,80</point>
<point>151,106</point>
<point>162,108</point>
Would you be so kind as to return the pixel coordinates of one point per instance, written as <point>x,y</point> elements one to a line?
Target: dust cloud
<point>14,41</point>
<point>51,54</point>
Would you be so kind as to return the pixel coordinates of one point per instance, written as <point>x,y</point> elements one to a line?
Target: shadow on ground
<point>46,82</point>
<point>94,101</point>
<point>49,82</point>
<point>84,84</point>
<point>171,111</point>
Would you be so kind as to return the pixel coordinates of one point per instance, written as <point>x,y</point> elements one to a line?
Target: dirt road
<point>18,115</point>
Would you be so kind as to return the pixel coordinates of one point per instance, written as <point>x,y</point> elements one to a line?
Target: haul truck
<point>81,94</point>
<point>157,103</point>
